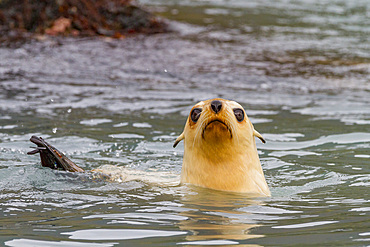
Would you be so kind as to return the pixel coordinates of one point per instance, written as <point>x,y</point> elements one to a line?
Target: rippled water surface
<point>300,69</point>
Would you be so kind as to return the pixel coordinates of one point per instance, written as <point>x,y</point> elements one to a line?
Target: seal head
<point>220,149</point>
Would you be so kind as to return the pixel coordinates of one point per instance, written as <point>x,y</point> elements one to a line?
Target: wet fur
<point>220,152</point>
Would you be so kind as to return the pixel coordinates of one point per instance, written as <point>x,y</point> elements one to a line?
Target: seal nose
<point>216,106</point>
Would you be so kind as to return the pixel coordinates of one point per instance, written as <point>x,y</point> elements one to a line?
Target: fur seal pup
<point>220,149</point>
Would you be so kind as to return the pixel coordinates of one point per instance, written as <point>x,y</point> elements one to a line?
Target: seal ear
<point>255,133</point>
<point>179,139</point>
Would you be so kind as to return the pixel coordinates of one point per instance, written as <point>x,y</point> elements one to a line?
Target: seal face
<point>220,149</point>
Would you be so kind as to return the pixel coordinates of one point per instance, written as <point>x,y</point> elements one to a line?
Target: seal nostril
<point>216,106</point>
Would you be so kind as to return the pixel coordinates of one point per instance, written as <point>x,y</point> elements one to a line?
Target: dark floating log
<point>113,18</point>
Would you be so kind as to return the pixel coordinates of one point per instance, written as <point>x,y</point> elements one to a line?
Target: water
<point>300,69</point>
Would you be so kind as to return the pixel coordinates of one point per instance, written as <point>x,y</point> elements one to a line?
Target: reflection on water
<point>216,215</point>
<point>119,234</point>
<point>299,68</point>
<point>41,243</point>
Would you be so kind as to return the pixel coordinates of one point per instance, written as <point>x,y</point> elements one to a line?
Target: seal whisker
<point>204,123</point>
<point>201,126</point>
<point>232,126</point>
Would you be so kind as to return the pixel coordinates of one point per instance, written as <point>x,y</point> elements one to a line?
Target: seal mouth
<point>217,121</point>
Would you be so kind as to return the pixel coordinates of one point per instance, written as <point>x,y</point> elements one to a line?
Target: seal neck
<point>224,167</point>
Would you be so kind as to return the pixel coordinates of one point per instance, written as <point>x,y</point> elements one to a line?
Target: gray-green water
<point>300,68</point>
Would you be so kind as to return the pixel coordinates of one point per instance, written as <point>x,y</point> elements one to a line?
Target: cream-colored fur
<point>222,155</point>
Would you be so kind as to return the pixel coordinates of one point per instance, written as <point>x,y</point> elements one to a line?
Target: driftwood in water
<point>113,18</point>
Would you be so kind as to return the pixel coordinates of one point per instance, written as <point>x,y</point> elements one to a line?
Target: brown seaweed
<point>113,18</point>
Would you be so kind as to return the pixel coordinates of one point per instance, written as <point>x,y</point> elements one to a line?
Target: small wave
<point>120,234</point>
<point>349,138</point>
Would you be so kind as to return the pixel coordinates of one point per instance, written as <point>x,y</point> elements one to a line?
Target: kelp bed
<point>113,18</point>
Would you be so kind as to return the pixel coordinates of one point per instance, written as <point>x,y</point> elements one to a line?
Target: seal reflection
<point>216,215</point>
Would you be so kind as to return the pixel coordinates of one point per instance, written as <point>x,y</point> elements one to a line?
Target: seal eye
<point>195,114</point>
<point>239,114</point>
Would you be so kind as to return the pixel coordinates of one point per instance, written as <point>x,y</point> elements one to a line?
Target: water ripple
<point>120,234</point>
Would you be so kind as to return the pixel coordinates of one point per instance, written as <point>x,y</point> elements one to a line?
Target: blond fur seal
<point>220,149</point>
